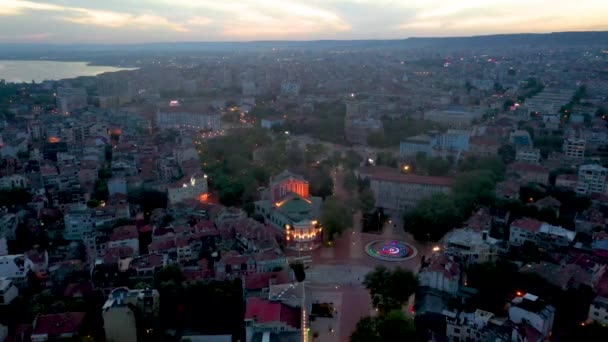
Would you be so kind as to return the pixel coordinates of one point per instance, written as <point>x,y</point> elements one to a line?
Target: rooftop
<point>445,265</point>
<point>394,175</point>
<point>483,140</point>
<point>527,167</point>
<point>557,231</point>
<point>124,233</point>
<point>265,311</point>
<point>55,325</point>
<point>528,224</point>
<point>286,175</point>
<point>258,281</point>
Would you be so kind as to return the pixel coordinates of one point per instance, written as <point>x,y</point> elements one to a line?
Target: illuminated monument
<point>291,210</point>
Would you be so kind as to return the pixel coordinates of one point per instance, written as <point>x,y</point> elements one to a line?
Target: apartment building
<point>396,191</point>
<point>591,179</point>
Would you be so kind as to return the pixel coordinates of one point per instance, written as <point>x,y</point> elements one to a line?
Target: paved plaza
<point>335,275</point>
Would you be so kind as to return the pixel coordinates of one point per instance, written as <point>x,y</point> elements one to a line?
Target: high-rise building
<point>126,311</point>
<point>574,149</point>
<point>188,118</point>
<point>69,99</point>
<point>591,179</point>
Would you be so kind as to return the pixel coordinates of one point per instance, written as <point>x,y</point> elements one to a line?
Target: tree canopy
<point>397,129</point>
<point>433,217</point>
<point>391,327</point>
<point>390,289</point>
<point>336,217</point>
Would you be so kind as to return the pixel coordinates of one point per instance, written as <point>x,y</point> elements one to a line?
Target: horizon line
<point>299,40</point>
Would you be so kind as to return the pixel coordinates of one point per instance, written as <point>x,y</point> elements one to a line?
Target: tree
<point>377,139</point>
<point>468,86</point>
<point>494,281</point>
<point>491,164</point>
<point>336,217</point>
<point>474,188</point>
<point>352,160</point>
<point>298,271</point>
<point>432,217</point>
<point>169,273</point>
<point>390,289</point>
<point>101,192</point>
<point>507,153</point>
<point>391,327</point>
<point>148,199</point>
<point>549,143</point>
<point>14,197</point>
<point>350,181</point>
<point>321,182</point>
<point>386,159</point>
<point>314,152</point>
<point>367,200</point>
<point>587,332</point>
<point>93,203</point>
<point>437,166</point>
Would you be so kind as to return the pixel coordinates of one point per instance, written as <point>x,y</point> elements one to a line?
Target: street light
<point>436,249</point>
<point>406,168</point>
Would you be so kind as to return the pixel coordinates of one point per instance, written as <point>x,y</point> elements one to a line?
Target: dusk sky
<point>139,21</point>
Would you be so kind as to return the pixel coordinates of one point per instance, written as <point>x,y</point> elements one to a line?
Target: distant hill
<point>77,51</point>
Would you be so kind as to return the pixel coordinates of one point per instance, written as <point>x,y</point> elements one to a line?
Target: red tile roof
<point>114,254</point>
<point>163,231</point>
<point>567,177</point>
<point>78,289</point>
<point>528,224</point>
<point>265,311</point>
<point>183,230</point>
<point>162,245</point>
<point>393,175</point>
<point>236,259</point>
<point>148,261</point>
<point>528,167</point>
<point>484,141</point>
<point>58,324</point>
<point>443,264</point>
<point>124,233</point>
<point>145,229</point>
<point>181,241</point>
<point>204,225</point>
<point>196,275</point>
<point>259,281</point>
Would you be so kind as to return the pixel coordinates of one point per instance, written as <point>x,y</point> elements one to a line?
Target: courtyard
<point>335,275</point>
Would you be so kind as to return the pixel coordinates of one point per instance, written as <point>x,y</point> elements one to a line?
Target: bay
<point>28,71</point>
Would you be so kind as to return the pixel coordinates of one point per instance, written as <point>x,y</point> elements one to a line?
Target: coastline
<point>26,70</point>
<point>68,60</point>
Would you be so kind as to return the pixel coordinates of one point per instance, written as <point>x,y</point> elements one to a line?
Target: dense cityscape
<point>431,190</point>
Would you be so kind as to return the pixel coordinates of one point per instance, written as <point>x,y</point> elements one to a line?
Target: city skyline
<point>128,21</point>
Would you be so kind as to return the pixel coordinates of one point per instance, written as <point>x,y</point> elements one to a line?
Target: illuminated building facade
<point>194,188</point>
<point>293,212</point>
<point>286,183</point>
<point>188,118</point>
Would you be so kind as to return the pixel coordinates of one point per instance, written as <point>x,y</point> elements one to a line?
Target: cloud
<point>199,21</point>
<point>262,18</point>
<point>506,16</point>
<point>116,19</point>
<point>86,16</point>
<point>15,7</point>
<point>180,20</point>
<point>37,36</point>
